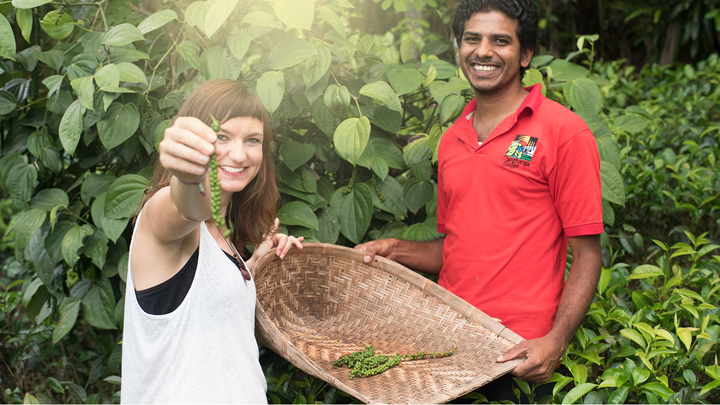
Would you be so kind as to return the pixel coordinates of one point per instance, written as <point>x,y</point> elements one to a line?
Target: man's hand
<point>543,355</point>
<point>382,247</point>
<point>426,257</point>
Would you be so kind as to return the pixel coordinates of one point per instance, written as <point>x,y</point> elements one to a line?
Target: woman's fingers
<point>186,147</point>
<point>195,126</point>
<point>285,243</point>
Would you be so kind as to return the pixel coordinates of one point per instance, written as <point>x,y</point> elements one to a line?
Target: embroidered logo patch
<point>521,151</point>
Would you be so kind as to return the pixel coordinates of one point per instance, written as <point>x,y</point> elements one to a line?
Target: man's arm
<point>426,257</point>
<point>544,353</point>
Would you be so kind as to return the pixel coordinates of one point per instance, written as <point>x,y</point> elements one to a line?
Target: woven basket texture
<point>321,302</point>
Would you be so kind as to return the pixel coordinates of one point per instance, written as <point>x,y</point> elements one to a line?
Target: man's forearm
<point>579,288</point>
<point>426,257</point>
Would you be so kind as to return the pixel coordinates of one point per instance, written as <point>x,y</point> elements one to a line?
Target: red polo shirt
<point>508,206</point>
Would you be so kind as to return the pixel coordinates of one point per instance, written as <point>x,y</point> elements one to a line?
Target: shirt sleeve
<point>576,187</point>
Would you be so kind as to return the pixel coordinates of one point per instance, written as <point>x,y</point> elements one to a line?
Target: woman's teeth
<point>232,169</point>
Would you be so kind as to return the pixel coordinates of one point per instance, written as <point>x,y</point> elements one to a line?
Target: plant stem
<point>162,59</point>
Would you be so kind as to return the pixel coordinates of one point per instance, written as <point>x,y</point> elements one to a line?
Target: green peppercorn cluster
<point>215,191</point>
<point>366,363</point>
<point>145,108</point>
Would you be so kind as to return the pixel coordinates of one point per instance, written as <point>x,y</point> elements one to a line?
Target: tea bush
<point>88,89</point>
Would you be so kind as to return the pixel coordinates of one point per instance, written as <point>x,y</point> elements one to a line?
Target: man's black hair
<point>524,11</point>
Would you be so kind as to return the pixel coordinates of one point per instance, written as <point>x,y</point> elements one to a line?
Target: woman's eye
<point>254,141</point>
<point>222,137</point>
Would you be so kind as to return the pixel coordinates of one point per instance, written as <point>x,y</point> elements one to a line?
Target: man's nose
<point>484,49</point>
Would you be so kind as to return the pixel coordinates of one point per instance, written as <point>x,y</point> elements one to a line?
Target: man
<point>518,178</point>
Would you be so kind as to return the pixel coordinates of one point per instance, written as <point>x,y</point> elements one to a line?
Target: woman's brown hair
<point>252,210</point>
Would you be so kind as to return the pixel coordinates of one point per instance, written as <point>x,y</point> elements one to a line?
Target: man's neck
<point>492,109</point>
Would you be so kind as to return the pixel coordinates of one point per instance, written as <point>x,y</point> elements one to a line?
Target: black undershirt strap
<point>166,297</point>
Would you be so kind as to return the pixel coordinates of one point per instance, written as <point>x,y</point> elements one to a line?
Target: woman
<point>190,302</point>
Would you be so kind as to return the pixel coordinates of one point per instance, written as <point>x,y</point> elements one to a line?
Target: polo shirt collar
<point>531,102</point>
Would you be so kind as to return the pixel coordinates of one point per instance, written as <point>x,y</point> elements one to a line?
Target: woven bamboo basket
<point>322,301</point>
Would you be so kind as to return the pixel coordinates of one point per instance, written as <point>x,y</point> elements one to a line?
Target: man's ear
<point>526,57</point>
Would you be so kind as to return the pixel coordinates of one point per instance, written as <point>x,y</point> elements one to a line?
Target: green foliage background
<point>89,87</point>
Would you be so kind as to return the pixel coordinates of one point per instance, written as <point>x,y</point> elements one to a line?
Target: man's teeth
<point>232,169</point>
<point>485,68</point>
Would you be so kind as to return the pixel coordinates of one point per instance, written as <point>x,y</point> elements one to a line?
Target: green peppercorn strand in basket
<point>365,363</point>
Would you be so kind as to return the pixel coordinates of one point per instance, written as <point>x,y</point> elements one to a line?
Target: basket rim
<point>299,359</point>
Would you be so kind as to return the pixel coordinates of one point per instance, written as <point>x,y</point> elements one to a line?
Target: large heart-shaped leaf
<point>392,199</point>
<point>124,196</point>
<point>131,73</point>
<point>84,90</point>
<point>57,28</point>
<point>120,123</point>
<point>195,14</point>
<point>271,90</point>
<point>238,44</point>
<point>72,241</point>
<point>7,40</point>
<point>219,64</point>
<point>383,92</point>
<point>354,209</point>
<point>217,14</point>
<point>21,183</point>
<point>295,154</point>
<point>24,19</point>
<point>68,311</point>
<point>351,137</point>
<point>96,248</point>
<point>613,188</point>
<point>29,3</point>
<point>417,192</point>
<point>451,107</point>
<point>108,76</point>
<point>417,151</point>
<point>121,35</point>
<point>295,13</point>
<point>328,226</point>
<point>403,80</point>
<point>8,102</point>
<point>563,70</point>
<point>99,308</point>
<point>324,118</point>
<point>156,21</point>
<point>322,64</point>
<point>71,126</point>
<point>94,185</point>
<point>337,98</point>
<point>297,213</point>
<point>289,52</point>
<point>584,96</point>
<point>27,224</point>
<point>334,21</point>
<point>50,198</point>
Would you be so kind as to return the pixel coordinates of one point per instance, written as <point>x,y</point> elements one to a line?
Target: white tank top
<point>204,351</point>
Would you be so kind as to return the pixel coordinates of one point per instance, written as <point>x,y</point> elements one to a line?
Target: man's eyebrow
<point>494,36</point>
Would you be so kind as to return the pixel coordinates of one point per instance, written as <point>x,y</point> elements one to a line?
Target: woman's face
<point>239,151</point>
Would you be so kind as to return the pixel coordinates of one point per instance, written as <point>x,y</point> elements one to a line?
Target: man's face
<point>490,55</point>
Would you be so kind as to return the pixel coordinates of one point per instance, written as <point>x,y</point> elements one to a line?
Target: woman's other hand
<point>280,242</point>
<point>186,148</point>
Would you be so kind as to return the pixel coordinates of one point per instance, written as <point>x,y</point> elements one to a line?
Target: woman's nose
<point>237,153</point>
